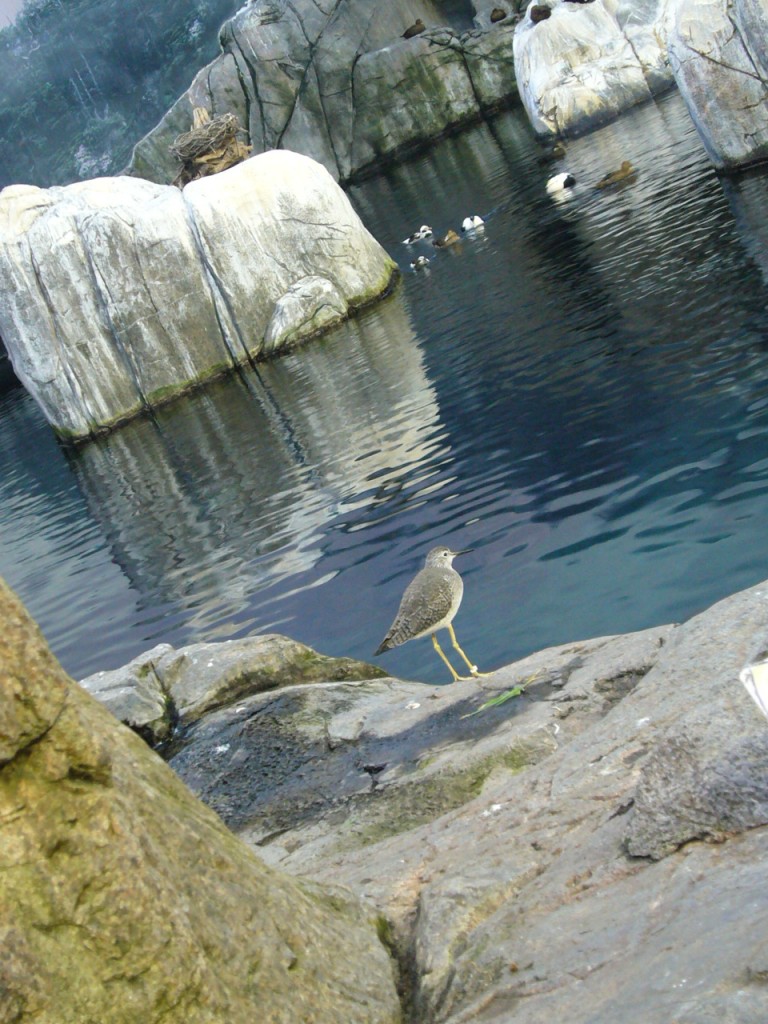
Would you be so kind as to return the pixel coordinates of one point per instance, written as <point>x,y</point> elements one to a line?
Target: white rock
<point>306,308</point>
<point>586,63</point>
<point>719,56</point>
<point>117,293</point>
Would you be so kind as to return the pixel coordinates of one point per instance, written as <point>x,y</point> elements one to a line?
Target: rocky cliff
<point>585,63</point>
<point>336,80</point>
<point>719,56</point>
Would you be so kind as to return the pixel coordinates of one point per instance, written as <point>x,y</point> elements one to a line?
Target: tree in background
<point>82,80</point>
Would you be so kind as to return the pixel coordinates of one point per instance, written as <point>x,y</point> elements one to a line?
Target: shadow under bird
<point>429,603</point>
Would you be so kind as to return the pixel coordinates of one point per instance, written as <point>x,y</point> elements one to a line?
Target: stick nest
<point>209,147</point>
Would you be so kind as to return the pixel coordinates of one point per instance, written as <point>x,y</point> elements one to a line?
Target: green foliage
<point>82,80</point>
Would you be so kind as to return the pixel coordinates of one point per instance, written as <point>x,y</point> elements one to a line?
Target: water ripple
<point>578,395</point>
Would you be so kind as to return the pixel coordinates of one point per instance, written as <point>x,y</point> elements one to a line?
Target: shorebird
<point>429,603</point>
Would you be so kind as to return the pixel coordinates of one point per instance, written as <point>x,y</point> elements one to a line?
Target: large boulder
<point>589,835</point>
<point>584,63</point>
<point>118,294</point>
<point>124,900</point>
<point>719,56</point>
<point>167,688</point>
<point>337,81</point>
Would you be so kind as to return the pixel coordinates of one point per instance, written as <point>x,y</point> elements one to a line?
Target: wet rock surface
<point>165,690</point>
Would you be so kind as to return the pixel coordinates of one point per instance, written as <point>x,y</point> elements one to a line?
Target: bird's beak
<point>464,551</point>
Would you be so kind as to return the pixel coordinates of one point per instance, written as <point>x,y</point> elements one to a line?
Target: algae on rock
<point>124,900</point>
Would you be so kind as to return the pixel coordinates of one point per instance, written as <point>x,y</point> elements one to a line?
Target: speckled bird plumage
<point>430,601</point>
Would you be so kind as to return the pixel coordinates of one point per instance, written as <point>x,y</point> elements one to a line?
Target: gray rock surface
<point>124,900</point>
<point>336,81</point>
<point>719,56</point>
<point>588,62</point>
<point>167,688</point>
<point>591,850</point>
<point>117,294</point>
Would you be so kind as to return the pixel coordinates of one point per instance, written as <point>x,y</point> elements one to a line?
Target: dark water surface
<point>579,394</point>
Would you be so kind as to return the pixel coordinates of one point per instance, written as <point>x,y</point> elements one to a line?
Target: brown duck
<point>625,173</point>
<point>449,238</point>
<point>540,12</point>
<point>554,152</point>
<point>413,30</point>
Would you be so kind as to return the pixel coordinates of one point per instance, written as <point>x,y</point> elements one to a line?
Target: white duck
<point>560,182</point>
<point>425,231</point>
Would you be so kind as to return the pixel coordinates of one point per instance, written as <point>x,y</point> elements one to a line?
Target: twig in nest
<point>210,146</point>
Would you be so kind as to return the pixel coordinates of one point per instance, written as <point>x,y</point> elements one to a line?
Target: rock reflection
<point>747,197</point>
<point>585,407</point>
<point>228,493</point>
<point>361,415</point>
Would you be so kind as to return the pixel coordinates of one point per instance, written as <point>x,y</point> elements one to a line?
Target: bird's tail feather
<point>385,645</point>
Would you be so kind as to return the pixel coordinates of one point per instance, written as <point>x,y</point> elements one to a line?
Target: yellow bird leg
<point>472,668</point>
<point>451,669</point>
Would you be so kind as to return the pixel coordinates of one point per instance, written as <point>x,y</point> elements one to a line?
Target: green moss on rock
<point>417,801</point>
<point>124,900</point>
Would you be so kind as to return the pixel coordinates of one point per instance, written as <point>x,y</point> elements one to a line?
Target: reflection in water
<point>230,493</point>
<point>578,393</point>
<point>748,198</point>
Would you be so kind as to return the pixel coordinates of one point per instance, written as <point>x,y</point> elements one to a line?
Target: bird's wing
<point>427,600</point>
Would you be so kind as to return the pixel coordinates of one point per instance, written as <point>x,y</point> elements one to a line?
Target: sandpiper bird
<point>429,603</point>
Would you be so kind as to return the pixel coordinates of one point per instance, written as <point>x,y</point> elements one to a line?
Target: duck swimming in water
<point>624,173</point>
<point>472,223</point>
<point>554,152</point>
<point>425,231</point>
<point>560,182</point>
<point>449,238</point>
<point>420,262</point>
